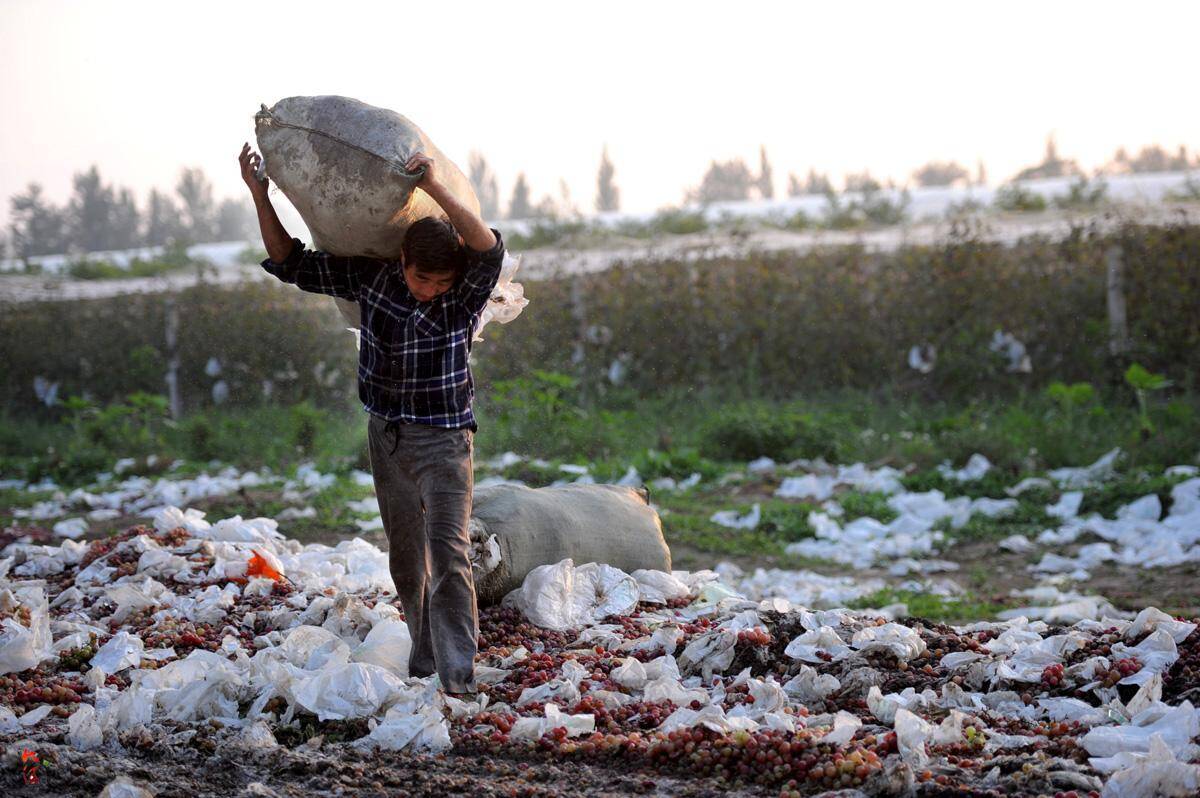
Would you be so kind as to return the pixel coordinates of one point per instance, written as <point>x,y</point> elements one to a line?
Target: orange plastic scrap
<point>259,566</point>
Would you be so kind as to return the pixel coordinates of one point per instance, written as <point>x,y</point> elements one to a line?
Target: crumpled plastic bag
<point>125,787</point>
<point>844,727</point>
<point>122,651</point>
<point>1174,726</point>
<point>23,647</point>
<point>313,648</point>
<point>350,690</point>
<point>659,587</point>
<point>1155,773</point>
<point>1151,619</point>
<point>732,519</point>
<point>71,528</point>
<point>83,729</point>
<point>1157,653</point>
<point>711,716</point>
<point>387,645</point>
<point>911,733</point>
<point>810,686</point>
<point>667,688</point>
<point>401,729</point>
<point>563,596</point>
<point>711,652</point>
<point>896,639</point>
<point>631,673</point>
<point>507,299</point>
<point>534,728</point>
<point>825,640</point>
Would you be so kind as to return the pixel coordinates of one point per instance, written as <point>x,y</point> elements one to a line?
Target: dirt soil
<point>207,766</point>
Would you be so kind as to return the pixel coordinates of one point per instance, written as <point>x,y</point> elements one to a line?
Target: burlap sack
<point>341,163</point>
<point>540,526</point>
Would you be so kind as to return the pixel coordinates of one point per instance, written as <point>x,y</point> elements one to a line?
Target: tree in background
<point>1150,159</point>
<point>766,178</point>
<point>519,206</point>
<point>199,215</point>
<point>36,227</point>
<point>1051,166</point>
<point>724,181</point>
<point>486,188</point>
<point>813,184</point>
<point>90,213</point>
<point>163,222</point>
<point>236,220</point>
<point>980,173</point>
<point>126,222</point>
<point>941,173</point>
<point>608,196</point>
<point>863,182</point>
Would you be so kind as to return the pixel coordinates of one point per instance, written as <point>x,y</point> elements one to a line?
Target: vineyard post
<point>1118,329</point>
<point>579,354</point>
<point>172,339</point>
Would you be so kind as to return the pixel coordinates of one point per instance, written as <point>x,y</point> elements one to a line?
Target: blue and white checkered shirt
<point>412,362</point>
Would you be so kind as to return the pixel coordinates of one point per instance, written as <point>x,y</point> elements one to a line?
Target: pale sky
<point>142,89</point>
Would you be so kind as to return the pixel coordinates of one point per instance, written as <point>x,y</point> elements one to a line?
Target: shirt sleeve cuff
<point>496,249</point>
<point>293,257</point>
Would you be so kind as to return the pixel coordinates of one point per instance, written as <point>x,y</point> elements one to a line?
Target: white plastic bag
<point>388,645</point>
<point>562,596</point>
<point>350,690</point>
<point>23,647</point>
<point>534,728</point>
<point>83,730</point>
<point>1156,773</point>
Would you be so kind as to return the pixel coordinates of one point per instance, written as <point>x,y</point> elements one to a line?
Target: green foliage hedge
<point>774,325</point>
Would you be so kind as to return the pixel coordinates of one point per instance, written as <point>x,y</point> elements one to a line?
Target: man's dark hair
<point>433,245</point>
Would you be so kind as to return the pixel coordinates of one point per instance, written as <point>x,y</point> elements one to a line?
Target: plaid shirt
<point>413,357</point>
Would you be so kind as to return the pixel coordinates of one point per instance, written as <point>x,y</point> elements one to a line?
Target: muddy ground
<point>208,766</point>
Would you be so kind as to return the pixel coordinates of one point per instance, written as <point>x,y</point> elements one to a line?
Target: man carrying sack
<point>418,315</point>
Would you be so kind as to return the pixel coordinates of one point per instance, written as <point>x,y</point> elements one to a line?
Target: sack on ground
<point>515,529</point>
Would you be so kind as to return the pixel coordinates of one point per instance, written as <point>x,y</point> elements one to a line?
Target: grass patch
<point>859,505</point>
<point>946,609</point>
<point>1106,499</point>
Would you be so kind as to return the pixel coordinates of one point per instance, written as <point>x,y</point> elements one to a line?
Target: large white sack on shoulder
<point>341,163</point>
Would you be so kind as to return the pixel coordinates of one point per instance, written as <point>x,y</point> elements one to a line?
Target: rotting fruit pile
<point>171,625</point>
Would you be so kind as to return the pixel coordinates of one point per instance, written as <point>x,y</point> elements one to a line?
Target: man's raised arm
<point>474,230</point>
<point>275,237</point>
<point>287,259</point>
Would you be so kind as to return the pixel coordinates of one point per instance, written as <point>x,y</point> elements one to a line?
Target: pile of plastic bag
<point>280,631</point>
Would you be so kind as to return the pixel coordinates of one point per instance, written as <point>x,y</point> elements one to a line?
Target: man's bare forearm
<point>275,238</point>
<point>474,230</point>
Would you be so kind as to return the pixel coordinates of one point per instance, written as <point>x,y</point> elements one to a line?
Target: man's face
<point>427,286</point>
